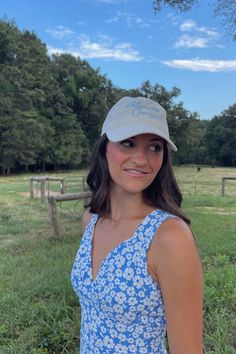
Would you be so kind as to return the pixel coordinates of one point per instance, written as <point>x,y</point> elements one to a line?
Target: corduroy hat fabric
<point>132,116</point>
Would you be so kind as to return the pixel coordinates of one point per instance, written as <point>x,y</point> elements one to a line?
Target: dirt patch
<point>213,208</point>
<point>220,211</point>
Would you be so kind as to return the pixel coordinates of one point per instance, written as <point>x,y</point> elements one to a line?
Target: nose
<point>139,157</point>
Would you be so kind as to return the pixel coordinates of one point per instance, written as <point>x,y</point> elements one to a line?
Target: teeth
<point>135,171</point>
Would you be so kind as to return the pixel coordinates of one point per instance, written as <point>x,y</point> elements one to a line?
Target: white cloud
<point>187,25</point>
<point>203,65</point>
<point>205,39</point>
<point>190,25</point>
<point>83,47</point>
<point>207,31</point>
<point>187,41</point>
<point>113,20</point>
<point>60,32</point>
<point>130,20</point>
<point>53,50</point>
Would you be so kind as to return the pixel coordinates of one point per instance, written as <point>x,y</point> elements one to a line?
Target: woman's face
<point>134,163</point>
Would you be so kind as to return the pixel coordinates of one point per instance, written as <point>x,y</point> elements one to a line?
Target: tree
<point>85,90</point>
<point>220,138</point>
<point>67,145</point>
<point>23,76</point>
<point>224,8</point>
<point>37,127</point>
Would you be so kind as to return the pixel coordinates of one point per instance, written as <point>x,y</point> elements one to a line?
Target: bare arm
<point>179,274</point>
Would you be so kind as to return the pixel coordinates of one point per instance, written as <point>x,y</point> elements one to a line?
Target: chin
<point>135,189</point>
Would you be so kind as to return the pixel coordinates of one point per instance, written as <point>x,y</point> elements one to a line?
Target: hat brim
<point>122,133</point>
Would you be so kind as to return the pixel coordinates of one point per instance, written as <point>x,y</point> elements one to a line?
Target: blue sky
<point>130,44</point>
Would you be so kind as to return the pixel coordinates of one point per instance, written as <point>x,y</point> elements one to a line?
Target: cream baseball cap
<point>132,116</point>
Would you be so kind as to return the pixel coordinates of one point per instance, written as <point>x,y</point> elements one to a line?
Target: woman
<point>137,272</point>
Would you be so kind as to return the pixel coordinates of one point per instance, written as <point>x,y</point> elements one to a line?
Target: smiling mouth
<point>135,172</point>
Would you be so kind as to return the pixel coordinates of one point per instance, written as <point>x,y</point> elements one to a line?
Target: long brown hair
<point>163,193</point>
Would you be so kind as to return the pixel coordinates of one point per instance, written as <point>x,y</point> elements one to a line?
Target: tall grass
<point>39,312</point>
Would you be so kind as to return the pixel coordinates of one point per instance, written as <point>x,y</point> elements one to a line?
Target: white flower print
<point>133,349</point>
<point>113,333</point>
<point>123,287</point>
<point>103,329</point>
<point>137,282</point>
<point>122,309</point>
<point>118,272</point>
<point>122,337</point>
<point>129,256</point>
<point>121,349</point>
<point>120,297</point>
<point>118,308</point>
<point>110,277</point>
<point>132,301</point>
<point>128,273</point>
<point>121,327</point>
<point>108,342</point>
<point>131,291</point>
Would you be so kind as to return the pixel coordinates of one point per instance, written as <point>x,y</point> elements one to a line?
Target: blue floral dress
<point>122,308</point>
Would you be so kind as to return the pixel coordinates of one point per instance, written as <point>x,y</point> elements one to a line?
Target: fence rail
<point>42,181</point>
<point>223,184</point>
<point>53,210</point>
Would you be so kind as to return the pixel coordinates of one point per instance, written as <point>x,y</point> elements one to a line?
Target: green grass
<point>39,310</point>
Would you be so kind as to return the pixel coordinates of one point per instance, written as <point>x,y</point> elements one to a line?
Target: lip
<point>135,172</point>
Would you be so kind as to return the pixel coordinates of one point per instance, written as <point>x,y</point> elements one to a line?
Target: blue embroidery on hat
<point>144,110</point>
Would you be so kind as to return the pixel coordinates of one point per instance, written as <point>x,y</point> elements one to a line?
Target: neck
<point>127,205</point>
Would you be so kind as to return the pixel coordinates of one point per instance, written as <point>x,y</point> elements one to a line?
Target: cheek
<point>114,156</point>
<point>157,163</point>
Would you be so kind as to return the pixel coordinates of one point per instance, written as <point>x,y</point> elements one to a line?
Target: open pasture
<point>39,311</point>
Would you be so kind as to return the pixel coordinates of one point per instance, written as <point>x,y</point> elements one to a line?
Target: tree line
<point>52,109</point>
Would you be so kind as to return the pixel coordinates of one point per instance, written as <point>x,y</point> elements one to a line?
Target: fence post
<point>43,189</point>
<point>63,187</point>
<point>54,217</point>
<point>222,186</point>
<point>195,185</point>
<point>31,187</point>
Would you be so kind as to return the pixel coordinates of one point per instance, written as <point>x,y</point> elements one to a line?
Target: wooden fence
<point>42,181</point>
<point>223,184</point>
<point>53,210</point>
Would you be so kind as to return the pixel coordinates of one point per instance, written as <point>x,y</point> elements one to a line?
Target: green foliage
<point>181,5</point>
<point>221,137</point>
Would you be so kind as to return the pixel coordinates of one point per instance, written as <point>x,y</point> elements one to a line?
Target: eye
<point>155,147</point>
<point>127,143</point>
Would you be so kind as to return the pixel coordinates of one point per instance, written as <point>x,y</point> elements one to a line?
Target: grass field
<point>39,312</point>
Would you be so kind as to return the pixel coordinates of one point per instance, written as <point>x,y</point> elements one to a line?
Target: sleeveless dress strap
<point>89,227</point>
<point>150,225</point>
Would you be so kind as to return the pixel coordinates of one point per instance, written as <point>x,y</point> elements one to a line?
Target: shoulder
<point>174,239</point>
<point>86,218</point>
<point>173,232</point>
<point>173,249</point>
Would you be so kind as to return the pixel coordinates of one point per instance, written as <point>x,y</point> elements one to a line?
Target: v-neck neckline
<point>109,254</point>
